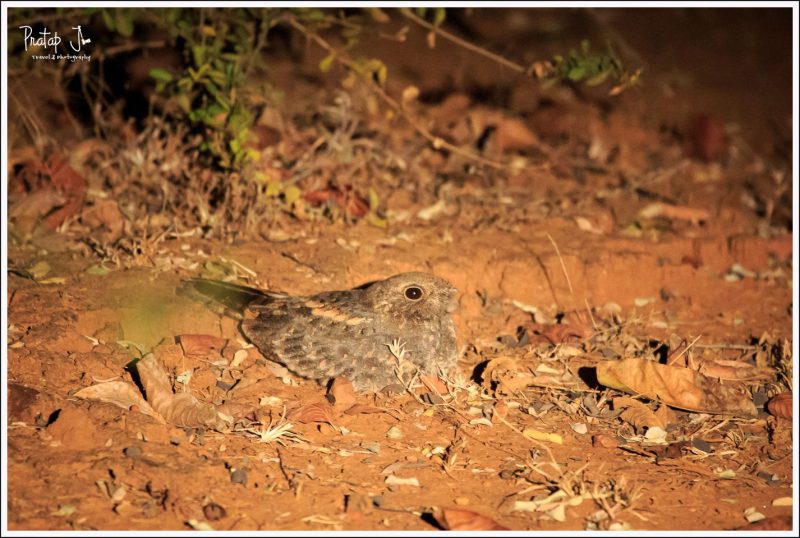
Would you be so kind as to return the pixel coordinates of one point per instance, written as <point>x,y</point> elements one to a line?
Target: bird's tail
<point>232,299</point>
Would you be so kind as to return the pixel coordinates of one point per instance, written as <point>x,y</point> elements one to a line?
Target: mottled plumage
<point>348,333</point>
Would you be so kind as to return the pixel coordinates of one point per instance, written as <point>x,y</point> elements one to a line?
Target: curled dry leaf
<point>556,333</point>
<point>513,134</point>
<point>316,412</point>
<point>458,519</point>
<point>121,394</point>
<point>732,370</point>
<point>603,440</point>
<point>182,409</point>
<point>341,394</point>
<point>434,384</point>
<point>637,414</point>
<point>678,387</point>
<point>201,345</point>
<point>362,409</point>
<point>674,212</point>
<point>780,405</point>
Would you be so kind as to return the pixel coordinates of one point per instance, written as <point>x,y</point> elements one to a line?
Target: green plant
<point>588,67</point>
<point>221,49</point>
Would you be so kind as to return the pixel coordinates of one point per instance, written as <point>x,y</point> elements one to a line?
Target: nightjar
<point>363,334</point>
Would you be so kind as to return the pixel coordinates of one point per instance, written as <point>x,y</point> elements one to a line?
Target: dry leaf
<point>513,134</point>
<point>179,409</point>
<point>666,415</point>
<point>361,409</point>
<point>341,394</point>
<point>121,394</point>
<point>457,519</point>
<point>434,384</point>
<point>603,440</point>
<point>556,333</point>
<point>669,211</point>
<point>780,405</point>
<point>536,435</point>
<point>317,412</point>
<point>393,480</point>
<point>637,414</point>
<point>677,387</point>
<point>731,370</point>
<point>201,345</point>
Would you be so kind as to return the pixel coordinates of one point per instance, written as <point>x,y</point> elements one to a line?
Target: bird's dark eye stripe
<point>414,293</point>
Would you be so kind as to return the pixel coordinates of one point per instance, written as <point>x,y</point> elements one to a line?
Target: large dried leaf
<point>182,409</point>
<point>121,394</point>
<point>201,345</point>
<point>458,519</point>
<point>677,387</point>
<point>732,370</point>
<point>781,405</point>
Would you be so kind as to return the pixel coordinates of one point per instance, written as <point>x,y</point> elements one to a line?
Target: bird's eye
<point>414,293</point>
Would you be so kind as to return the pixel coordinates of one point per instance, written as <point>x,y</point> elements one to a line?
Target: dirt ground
<point>656,224</point>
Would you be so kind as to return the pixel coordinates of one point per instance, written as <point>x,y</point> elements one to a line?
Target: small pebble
<point>605,441</point>
<point>132,452</point>
<point>213,511</point>
<point>239,476</point>
<point>394,433</point>
<point>462,501</point>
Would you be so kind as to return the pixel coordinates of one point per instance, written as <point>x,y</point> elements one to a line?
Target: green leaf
<point>597,79</point>
<point>183,101</point>
<point>327,62</point>
<point>576,73</point>
<point>162,75</point>
<point>438,16</point>
<point>373,199</point>
<point>124,22</point>
<point>108,19</point>
<point>198,54</point>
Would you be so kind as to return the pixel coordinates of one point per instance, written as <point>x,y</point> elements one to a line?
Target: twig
<point>563,266</point>
<point>463,43</point>
<point>437,142</point>
<point>739,347</point>
<point>298,261</point>
<point>687,348</point>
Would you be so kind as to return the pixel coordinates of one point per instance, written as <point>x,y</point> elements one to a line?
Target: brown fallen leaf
<point>361,409</point>
<point>458,519</point>
<point>512,134</point>
<point>637,414</point>
<point>706,138</point>
<point>669,211</point>
<point>105,218</point>
<point>341,394</point>
<point>434,384</point>
<point>556,333</point>
<point>605,441</point>
<point>780,405</point>
<point>120,394</point>
<point>731,370</point>
<point>678,387</point>
<point>201,345</point>
<point>181,409</point>
<point>666,415</point>
<point>316,412</point>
